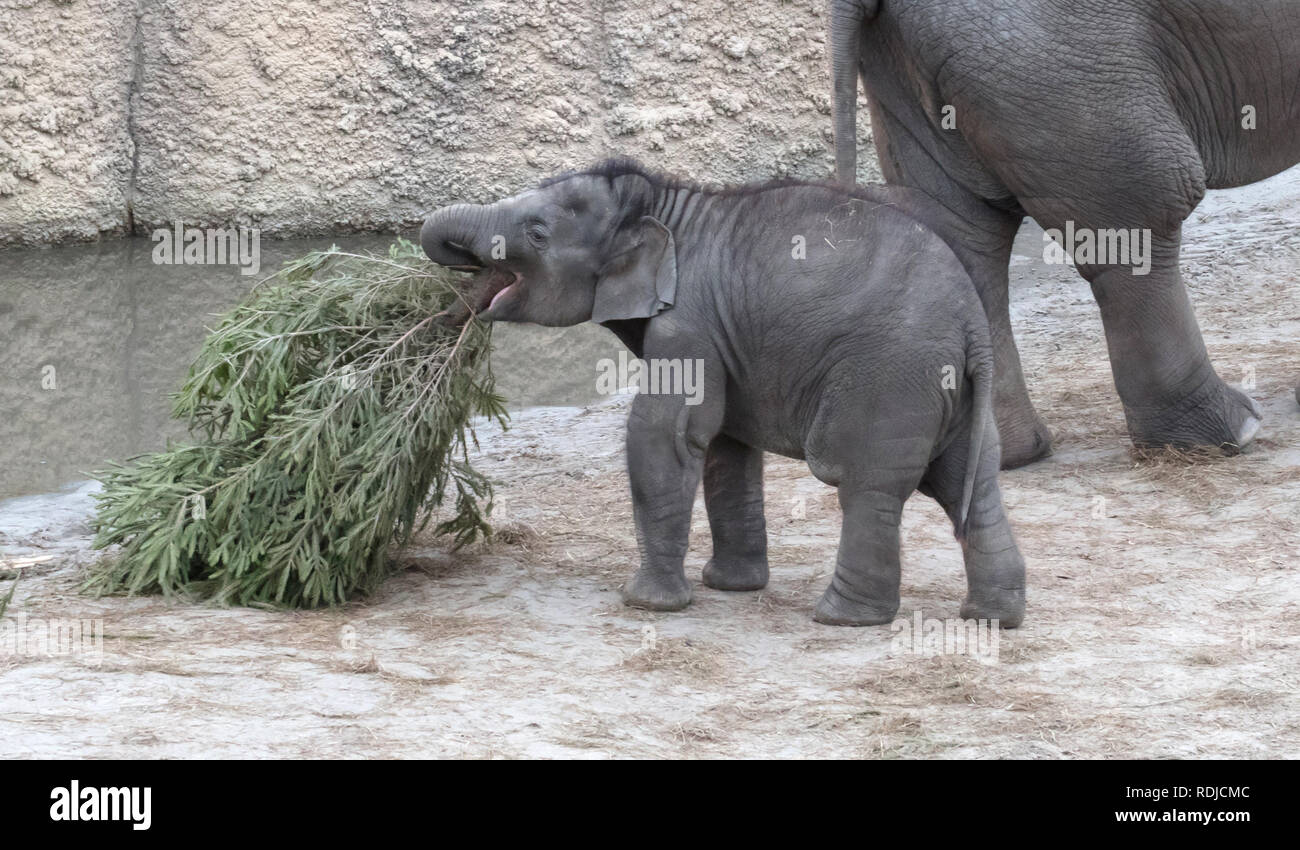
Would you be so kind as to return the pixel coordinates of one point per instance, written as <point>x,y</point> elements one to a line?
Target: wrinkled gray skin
<point>838,358</point>
<point>1116,114</point>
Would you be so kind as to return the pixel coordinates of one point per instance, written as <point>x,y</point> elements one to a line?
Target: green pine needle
<point>334,415</point>
<point>4,603</point>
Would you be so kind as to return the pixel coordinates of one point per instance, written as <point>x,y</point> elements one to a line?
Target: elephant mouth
<point>490,286</point>
<point>487,285</point>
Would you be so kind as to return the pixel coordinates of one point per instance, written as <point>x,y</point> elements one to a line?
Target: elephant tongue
<point>500,292</point>
<point>489,285</point>
<point>482,292</point>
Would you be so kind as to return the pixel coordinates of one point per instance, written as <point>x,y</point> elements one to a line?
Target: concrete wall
<point>305,116</point>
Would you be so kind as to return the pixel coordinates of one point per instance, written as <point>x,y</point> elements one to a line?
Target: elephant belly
<point>766,427</point>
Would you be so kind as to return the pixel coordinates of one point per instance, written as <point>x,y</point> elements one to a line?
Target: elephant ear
<point>640,281</point>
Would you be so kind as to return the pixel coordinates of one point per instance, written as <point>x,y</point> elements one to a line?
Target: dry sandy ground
<point>1163,608</point>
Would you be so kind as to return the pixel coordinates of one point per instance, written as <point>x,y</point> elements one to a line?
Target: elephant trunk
<point>452,236</point>
<point>847,18</point>
<point>462,237</point>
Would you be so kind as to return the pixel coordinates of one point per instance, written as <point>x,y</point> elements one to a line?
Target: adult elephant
<point>1096,116</point>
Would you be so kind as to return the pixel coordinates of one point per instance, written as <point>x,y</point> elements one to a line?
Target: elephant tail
<point>979,368</point>
<point>846,20</point>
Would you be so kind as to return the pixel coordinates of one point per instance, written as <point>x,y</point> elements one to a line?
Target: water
<point>94,337</point>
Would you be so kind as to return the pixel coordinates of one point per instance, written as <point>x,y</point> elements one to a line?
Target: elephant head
<point>580,247</point>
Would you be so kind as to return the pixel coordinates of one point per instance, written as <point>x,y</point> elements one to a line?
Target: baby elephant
<point>827,325</point>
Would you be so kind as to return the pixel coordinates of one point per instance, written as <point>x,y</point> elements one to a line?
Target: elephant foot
<point>1214,416</point>
<point>657,591</point>
<point>836,609</point>
<point>1004,604</point>
<point>1024,438</point>
<point>736,573</point>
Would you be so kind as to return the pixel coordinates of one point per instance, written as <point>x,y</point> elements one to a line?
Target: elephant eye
<point>536,233</point>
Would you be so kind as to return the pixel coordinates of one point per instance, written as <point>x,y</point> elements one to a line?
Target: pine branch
<point>334,418</point>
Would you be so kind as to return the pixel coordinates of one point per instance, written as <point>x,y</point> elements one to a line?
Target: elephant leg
<point>733,495</point>
<point>981,236</point>
<point>1172,396</point>
<point>1025,438</point>
<point>864,589</point>
<point>995,570</point>
<point>666,441</point>
<point>881,471</point>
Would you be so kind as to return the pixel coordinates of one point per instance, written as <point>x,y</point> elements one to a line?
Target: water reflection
<point>94,337</point>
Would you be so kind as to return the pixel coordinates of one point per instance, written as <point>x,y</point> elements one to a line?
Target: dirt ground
<point>1163,610</point>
